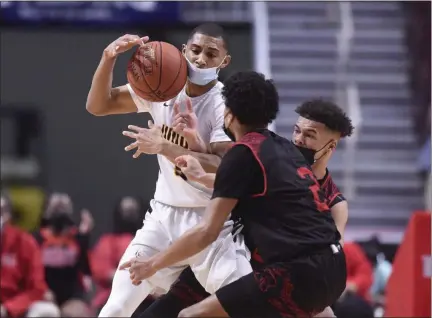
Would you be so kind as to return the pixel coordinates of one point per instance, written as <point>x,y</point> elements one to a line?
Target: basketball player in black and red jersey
<point>266,182</point>
<point>320,126</point>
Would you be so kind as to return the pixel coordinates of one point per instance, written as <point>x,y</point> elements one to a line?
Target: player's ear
<point>226,61</point>
<point>183,50</point>
<point>333,146</point>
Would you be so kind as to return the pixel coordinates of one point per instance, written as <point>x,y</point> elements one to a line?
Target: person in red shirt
<point>22,284</point>
<point>127,218</point>
<point>354,301</point>
<point>64,245</point>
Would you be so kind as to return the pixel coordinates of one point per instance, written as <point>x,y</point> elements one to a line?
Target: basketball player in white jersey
<point>177,205</point>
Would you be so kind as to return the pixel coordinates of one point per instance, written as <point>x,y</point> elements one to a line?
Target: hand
<point>139,269</point>
<point>186,124</point>
<point>191,167</point>
<point>149,141</point>
<point>123,44</point>
<point>86,224</point>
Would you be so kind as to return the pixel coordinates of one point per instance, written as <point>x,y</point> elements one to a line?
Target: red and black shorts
<point>299,288</point>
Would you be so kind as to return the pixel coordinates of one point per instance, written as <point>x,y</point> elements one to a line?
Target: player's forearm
<point>191,243</point>
<point>207,180</point>
<point>100,91</point>
<point>209,162</point>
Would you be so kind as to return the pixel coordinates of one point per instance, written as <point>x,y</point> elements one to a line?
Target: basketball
<point>157,71</point>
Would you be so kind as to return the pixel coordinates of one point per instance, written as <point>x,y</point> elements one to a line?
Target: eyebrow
<point>212,48</point>
<point>310,130</point>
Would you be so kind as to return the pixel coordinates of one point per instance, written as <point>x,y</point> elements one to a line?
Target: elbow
<point>94,110</point>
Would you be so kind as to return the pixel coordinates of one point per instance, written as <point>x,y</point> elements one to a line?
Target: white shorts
<point>221,263</point>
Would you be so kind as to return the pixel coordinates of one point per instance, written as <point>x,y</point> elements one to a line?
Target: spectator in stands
<point>127,218</point>
<point>22,284</point>
<point>382,269</point>
<point>65,255</point>
<point>355,301</point>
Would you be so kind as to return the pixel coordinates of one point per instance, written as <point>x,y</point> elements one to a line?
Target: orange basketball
<point>157,71</point>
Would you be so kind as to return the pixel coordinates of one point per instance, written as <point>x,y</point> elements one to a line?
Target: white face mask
<point>202,76</point>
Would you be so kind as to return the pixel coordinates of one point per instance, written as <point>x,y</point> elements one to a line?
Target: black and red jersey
<point>281,205</point>
<point>331,191</point>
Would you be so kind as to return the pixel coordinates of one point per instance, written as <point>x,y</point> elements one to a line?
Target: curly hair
<point>327,113</point>
<point>252,99</point>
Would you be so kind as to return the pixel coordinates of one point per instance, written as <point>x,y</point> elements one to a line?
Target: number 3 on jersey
<point>304,173</point>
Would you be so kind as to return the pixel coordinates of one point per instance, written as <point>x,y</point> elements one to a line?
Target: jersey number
<point>305,173</point>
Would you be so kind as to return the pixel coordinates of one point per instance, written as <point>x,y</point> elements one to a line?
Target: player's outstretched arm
<point>102,98</point>
<point>190,243</point>
<point>150,141</point>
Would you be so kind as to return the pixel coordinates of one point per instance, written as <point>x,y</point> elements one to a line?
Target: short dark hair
<point>211,29</point>
<point>251,98</point>
<point>327,113</point>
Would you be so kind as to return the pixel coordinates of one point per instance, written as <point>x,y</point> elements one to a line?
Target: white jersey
<point>209,108</point>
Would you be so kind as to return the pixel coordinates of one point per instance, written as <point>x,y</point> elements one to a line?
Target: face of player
<point>314,136</point>
<point>206,56</point>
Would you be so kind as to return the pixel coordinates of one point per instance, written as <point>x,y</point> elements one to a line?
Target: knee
<point>43,309</point>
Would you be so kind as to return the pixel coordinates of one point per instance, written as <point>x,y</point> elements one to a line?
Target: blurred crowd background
<point>72,198</point>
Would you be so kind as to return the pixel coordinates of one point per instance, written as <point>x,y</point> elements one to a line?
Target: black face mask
<point>309,154</point>
<point>60,222</point>
<point>228,133</point>
<point>129,224</point>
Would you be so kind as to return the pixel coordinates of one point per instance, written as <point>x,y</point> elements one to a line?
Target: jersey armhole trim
<point>333,198</point>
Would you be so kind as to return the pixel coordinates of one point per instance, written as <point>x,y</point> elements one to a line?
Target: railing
<point>261,40</point>
<point>347,93</point>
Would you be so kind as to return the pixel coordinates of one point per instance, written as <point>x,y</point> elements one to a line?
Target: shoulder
<point>239,150</point>
<point>215,98</point>
<point>239,155</point>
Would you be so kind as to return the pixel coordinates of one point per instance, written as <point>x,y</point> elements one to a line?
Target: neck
<point>245,130</point>
<point>319,169</point>
<point>193,90</point>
